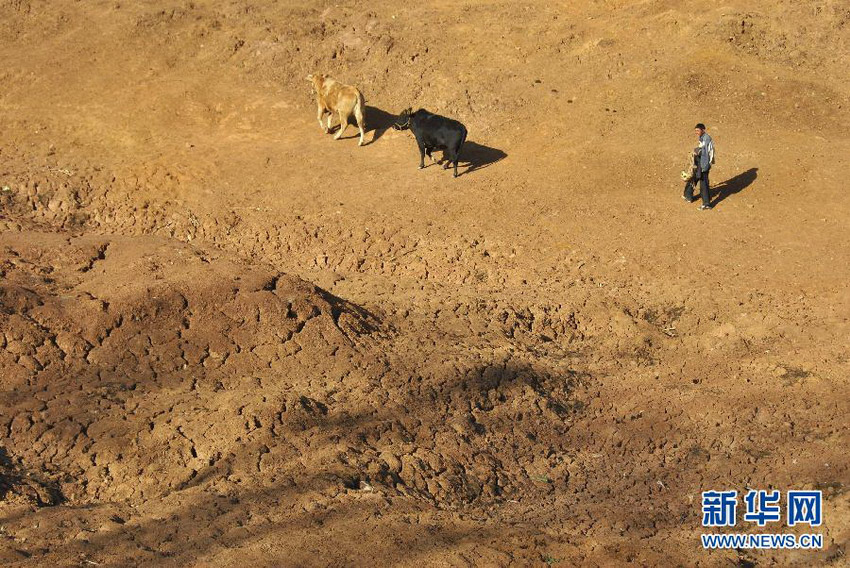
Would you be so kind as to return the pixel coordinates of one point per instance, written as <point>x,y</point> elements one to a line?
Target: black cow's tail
<point>462,140</point>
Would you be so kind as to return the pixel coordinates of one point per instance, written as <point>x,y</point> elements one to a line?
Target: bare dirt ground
<point>228,340</point>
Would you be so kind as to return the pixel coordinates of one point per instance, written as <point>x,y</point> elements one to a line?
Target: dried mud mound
<point>133,367</point>
<point>129,365</point>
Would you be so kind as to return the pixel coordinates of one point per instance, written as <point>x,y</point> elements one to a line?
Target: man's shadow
<point>734,185</point>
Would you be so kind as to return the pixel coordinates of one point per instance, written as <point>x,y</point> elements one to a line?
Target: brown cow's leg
<point>319,116</point>
<point>330,117</point>
<point>358,114</point>
<point>343,124</point>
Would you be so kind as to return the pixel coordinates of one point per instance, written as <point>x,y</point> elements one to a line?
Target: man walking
<point>703,159</point>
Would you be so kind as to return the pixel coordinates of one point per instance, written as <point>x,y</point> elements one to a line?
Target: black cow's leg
<point>451,160</point>
<point>422,151</point>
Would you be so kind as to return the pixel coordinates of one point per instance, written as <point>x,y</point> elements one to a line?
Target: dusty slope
<point>546,358</point>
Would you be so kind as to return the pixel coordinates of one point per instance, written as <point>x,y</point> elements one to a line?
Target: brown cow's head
<point>316,79</point>
<point>402,122</point>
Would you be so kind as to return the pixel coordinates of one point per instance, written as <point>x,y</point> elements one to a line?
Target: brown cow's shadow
<point>377,121</point>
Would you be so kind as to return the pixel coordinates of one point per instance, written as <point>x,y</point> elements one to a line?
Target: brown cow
<point>332,96</point>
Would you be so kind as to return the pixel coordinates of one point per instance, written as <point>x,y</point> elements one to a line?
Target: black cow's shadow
<point>734,185</point>
<point>479,156</point>
<point>474,156</point>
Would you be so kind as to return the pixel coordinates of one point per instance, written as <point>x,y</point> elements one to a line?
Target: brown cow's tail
<point>360,110</point>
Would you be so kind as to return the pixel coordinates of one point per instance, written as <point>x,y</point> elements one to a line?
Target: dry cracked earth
<point>229,340</point>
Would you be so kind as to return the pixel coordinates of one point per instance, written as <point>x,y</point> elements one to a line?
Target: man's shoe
<point>688,200</point>
<point>704,207</point>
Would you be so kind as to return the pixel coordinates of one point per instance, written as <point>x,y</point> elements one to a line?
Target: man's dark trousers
<point>703,182</point>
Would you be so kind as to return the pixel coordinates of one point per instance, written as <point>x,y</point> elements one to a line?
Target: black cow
<point>433,132</point>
